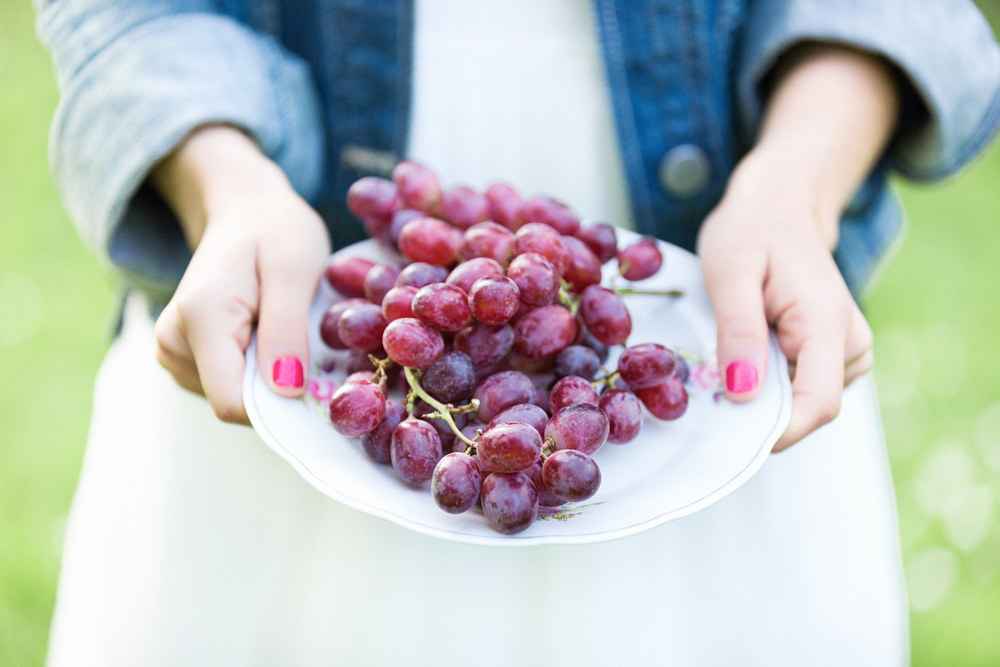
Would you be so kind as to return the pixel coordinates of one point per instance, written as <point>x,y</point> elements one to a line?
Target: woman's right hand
<point>259,253</point>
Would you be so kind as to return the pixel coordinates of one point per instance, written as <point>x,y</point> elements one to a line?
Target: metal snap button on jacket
<point>684,171</point>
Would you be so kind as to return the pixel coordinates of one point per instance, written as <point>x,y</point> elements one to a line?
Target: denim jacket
<point>324,88</point>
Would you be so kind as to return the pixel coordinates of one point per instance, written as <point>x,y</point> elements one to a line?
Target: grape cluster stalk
<point>498,319</point>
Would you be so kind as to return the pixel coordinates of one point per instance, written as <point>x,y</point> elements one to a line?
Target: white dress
<point>191,543</point>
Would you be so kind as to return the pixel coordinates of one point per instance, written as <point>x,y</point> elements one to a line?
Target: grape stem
<point>442,411</point>
<point>628,291</point>
<point>608,380</point>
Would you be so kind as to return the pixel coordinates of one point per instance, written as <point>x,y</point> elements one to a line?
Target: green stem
<point>627,291</point>
<point>443,411</point>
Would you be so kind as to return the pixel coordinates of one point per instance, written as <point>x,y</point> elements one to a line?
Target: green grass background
<point>935,312</point>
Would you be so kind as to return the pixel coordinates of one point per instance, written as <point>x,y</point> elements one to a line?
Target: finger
<point>173,351</point>
<point>736,292</point>
<point>816,388</point>
<point>858,367</point>
<point>858,348</point>
<point>220,362</point>
<point>282,328</point>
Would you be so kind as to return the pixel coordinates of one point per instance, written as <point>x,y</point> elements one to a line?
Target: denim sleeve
<point>944,49</point>
<point>136,76</point>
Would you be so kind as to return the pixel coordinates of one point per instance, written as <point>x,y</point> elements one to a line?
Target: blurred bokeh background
<point>936,314</point>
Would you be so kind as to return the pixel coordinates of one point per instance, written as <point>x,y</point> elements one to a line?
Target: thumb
<point>736,290</point>
<point>282,327</point>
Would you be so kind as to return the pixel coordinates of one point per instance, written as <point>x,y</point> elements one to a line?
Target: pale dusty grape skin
<point>544,332</point>
<point>667,400</point>
<point>463,207</point>
<point>571,475</point>
<point>510,501</point>
<point>417,184</point>
<point>536,278</point>
<point>494,299</point>
<point>361,327</point>
<point>583,268</point>
<point>415,449</point>
<point>640,260</point>
<point>398,302</point>
<point>486,344</point>
<point>455,483</point>
<point>505,205</point>
<point>569,390</point>
<point>523,413</point>
<point>330,320</point>
<point>379,280</point>
<point>375,443</point>
<point>647,364</point>
<point>577,360</point>
<point>411,343</point>
<point>624,412</point>
<point>509,446</point>
<point>444,307</point>
<point>420,274</point>
<point>356,407</point>
<point>543,239</point>
<point>468,272</point>
<point>602,239</point>
<point>580,426</point>
<point>451,378</point>
<point>552,212</point>
<point>347,275</point>
<point>501,391</point>
<point>488,239</point>
<point>374,201</point>
<point>430,240</point>
<point>605,315</point>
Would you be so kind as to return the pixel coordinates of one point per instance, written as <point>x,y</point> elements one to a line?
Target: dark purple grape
<point>379,280</point>
<point>640,260</point>
<point>417,184</point>
<point>605,315</point>
<point>552,212</point>
<point>430,240</point>
<point>577,360</point>
<point>489,240</point>
<point>501,391</point>
<point>331,318</point>
<point>419,274</point>
<point>536,278</point>
<point>510,501</point>
<point>667,400</point>
<point>545,497</point>
<point>486,344</point>
<point>646,365</point>
<point>399,220</point>
<point>373,200</point>
<point>494,299</point>
<point>468,272</point>
<point>584,337</point>
<point>415,449</point>
<point>411,343</point>
<point>356,407</point>
<point>463,207</point>
<point>624,412</point>
<point>571,475</point>
<point>584,268</point>
<point>544,332</point>
<point>569,390</point>
<point>601,239</point>
<point>505,205</point>
<point>444,307</point>
<point>455,483</point>
<point>523,413</point>
<point>375,442</point>
<point>347,274</point>
<point>450,379</point>
<point>361,326</point>
<point>580,426</point>
<point>509,447</point>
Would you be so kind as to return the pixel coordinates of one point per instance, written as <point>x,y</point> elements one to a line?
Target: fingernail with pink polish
<point>288,372</point>
<point>741,376</point>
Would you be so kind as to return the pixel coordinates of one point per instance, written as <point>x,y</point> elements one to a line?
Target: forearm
<point>830,113</point>
<point>213,167</point>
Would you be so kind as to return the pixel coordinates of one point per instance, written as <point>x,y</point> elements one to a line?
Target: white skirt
<point>191,543</point>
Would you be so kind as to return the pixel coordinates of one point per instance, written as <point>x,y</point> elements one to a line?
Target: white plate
<point>670,470</point>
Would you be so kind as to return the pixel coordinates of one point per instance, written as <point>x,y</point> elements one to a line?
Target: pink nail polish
<point>741,376</point>
<point>288,372</point>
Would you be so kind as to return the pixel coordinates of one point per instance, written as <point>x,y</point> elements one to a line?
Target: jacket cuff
<point>945,51</point>
<point>137,99</point>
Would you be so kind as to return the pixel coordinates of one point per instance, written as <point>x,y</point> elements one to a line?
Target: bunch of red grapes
<point>500,325</point>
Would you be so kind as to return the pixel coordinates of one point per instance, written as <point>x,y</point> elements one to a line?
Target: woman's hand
<point>766,249</point>
<point>259,253</point>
